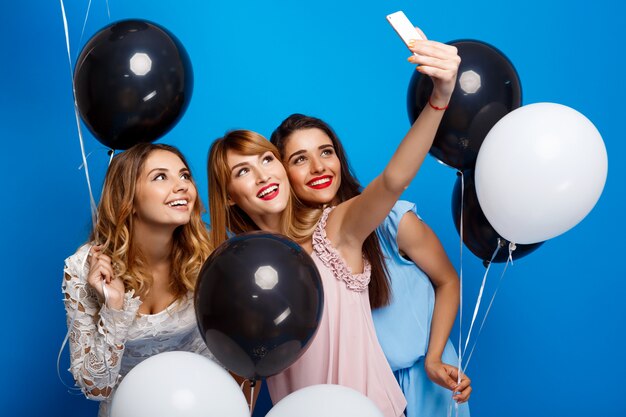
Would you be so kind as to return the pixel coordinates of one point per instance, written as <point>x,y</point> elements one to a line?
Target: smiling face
<point>259,186</point>
<point>165,194</point>
<point>313,167</point>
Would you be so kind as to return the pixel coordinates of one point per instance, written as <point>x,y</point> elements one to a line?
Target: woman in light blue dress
<point>414,325</point>
<point>405,327</point>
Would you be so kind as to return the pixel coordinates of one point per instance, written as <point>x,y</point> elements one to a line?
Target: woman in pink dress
<point>249,190</point>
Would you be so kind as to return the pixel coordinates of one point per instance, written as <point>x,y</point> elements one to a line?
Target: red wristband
<point>435,107</point>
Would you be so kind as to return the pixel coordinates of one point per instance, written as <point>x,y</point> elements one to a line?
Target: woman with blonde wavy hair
<point>127,292</point>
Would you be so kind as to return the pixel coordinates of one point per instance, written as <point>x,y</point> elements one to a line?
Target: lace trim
<point>96,333</point>
<point>331,258</point>
<point>105,343</point>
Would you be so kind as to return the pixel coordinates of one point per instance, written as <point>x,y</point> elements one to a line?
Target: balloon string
<point>82,33</point>
<point>67,37</point>
<point>72,390</point>
<point>453,404</point>
<point>509,260</point>
<point>460,353</point>
<point>252,385</point>
<point>512,247</point>
<point>87,157</point>
<point>105,292</point>
<point>461,274</point>
<point>251,397</point>
<point>480,295</point>
<point>66,339</point>
<point>92,201</point>
<point>80,41</point>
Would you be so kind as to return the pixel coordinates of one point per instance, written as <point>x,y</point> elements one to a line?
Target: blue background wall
<point>554,341</point>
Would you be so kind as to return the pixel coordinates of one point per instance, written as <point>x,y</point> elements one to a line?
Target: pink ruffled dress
<point>345,350</point>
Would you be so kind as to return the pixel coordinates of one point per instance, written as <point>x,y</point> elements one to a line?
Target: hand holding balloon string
<point>447,376</point>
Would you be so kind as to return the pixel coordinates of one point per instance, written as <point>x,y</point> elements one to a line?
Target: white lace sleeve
<point>97,333</point>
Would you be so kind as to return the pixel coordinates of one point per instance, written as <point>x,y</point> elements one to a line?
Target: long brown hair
<point>379,288</point>
<point>230,219</point>
<point>114,227</point>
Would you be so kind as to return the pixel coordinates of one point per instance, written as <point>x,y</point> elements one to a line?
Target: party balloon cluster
<point>526,173</point>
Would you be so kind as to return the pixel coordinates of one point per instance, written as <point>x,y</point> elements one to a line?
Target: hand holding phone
<point>403,27</point>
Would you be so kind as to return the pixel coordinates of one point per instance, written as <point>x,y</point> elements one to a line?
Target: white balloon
<point>325,400</point>
<point>181,384</point>
<point>539,172</point>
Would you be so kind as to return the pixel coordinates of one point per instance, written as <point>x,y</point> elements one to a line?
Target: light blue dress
<point>403,327</point>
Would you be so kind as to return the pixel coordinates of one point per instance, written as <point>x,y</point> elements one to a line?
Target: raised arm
<point>417,241</point>
<point>354,220</point>
<point>97,332</point>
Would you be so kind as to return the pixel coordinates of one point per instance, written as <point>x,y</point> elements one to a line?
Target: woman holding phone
<point>246,174</point>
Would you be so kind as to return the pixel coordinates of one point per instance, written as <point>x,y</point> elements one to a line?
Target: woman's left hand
<point>441,63</point>
<point>447,376</point>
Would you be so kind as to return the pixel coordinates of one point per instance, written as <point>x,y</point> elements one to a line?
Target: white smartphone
<point>403,27</point>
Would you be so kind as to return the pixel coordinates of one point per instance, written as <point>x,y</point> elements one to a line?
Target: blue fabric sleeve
<point>388,230</point>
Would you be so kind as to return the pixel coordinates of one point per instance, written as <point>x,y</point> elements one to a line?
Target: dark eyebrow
<point>296,153</point>
<point>321,147</point>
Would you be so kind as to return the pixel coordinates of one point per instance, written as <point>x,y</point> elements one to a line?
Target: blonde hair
<point>114,227</point>
<point>296,220</point>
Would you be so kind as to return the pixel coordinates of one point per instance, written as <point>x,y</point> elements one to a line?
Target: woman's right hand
<point>447,376</point>
<point>439,61</point>
<point>101,275</point>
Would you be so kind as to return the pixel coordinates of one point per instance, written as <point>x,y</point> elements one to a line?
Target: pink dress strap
<point>332,259</point>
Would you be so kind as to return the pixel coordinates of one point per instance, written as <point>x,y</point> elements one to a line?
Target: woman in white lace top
<point>127,292</point>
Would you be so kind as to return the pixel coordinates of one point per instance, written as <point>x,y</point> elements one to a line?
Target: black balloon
<point>133,82</point>
<point>478,235</point>
<point>487,89</point>
<point>258,302</point>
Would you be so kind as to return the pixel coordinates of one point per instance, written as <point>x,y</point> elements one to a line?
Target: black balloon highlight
<point>258,301</point>
<point>133,82</point>
<point>487,89</point>
<point>478,235</point>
